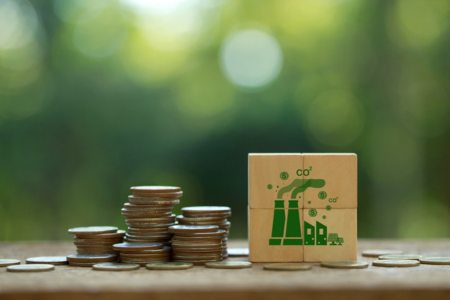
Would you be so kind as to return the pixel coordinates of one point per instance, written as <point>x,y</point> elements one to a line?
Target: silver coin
<point>379,252</point>
<point>229,264</point>
<point>4,262</point>
<point>396,263</point>
<point>114,266</point>
<point>30,268</point>
<point>400,257</point>
<point>435,260</point>
<point>51,260</point>
<point>169,266</point>
<point>350,264</point>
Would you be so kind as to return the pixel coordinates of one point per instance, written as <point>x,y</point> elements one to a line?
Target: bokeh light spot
<point>18,22</point>
<point>419,23</point>
<point>102,35</point>
<point>335,118</point>
<point>251,58</point>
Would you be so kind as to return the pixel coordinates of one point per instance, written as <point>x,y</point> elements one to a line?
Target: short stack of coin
<point>197,244</point>
<point>142,253</point>
<point>96,239</point>
<point>208,215</point>
<point>148,213</point>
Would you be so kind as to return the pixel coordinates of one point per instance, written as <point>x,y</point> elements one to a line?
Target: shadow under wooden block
<point>339,172</point>
<point>330,235</point>
<point>272,237</point>
<point>270,177</point>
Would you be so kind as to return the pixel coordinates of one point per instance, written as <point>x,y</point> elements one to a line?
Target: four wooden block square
<point>302,207</point>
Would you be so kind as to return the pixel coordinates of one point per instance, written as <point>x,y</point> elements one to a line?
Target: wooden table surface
<point>422,282</point>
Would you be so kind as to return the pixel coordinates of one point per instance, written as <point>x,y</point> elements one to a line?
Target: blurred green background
<point>97,96</point>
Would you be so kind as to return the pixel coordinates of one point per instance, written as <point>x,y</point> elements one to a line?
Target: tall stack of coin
<point>94,245</point>
<point>142,253</point>
<point>208,215</point>
<point>148,213</point>
<point>197,244</point>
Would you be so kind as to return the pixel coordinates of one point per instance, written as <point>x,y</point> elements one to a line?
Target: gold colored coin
<point>287,267</point>
<point>379,252</point>
<point>169,266</point>
<point>114,266</point>
<point>51,260</point>
<point>435,260</point>
<point>350,264</point>
<point>30,268</point>
<point>4,262</point>
<point>396,263</point>
<point>229,264</point>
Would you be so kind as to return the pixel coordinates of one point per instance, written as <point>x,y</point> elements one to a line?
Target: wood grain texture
<point>423,282</point>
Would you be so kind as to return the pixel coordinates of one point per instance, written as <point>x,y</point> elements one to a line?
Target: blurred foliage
<point>97,96</point>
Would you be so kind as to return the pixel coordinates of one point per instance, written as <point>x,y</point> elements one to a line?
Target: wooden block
<point>329,235</point>
<point>270,176</point>
<point>339,173</point>
<point>268,243</point>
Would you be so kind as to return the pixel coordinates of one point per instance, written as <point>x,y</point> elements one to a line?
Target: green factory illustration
<point>287,228</point>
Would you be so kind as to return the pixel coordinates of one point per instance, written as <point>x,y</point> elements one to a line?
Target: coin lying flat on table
<point>379,252</point>
<point>350,264</point>
<point>173,265</point>
<point>287,267</point>
<point>4,262</point>
<point>435,260</point>
<point>237,252</point>
<point>114,266</point>
<point>51,260</point>
<point>400,257</point>
<point>93,229</point>
<point>94,258</point>
<point>31,268</point>
<point>228,264</point>
<point>396,263</point>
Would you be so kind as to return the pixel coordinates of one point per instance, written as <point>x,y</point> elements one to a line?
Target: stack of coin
<point>142,253</point>
<point>96,239</point>
<point>197,244</point>
<point>208,215</point>
<point>148,213</point>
